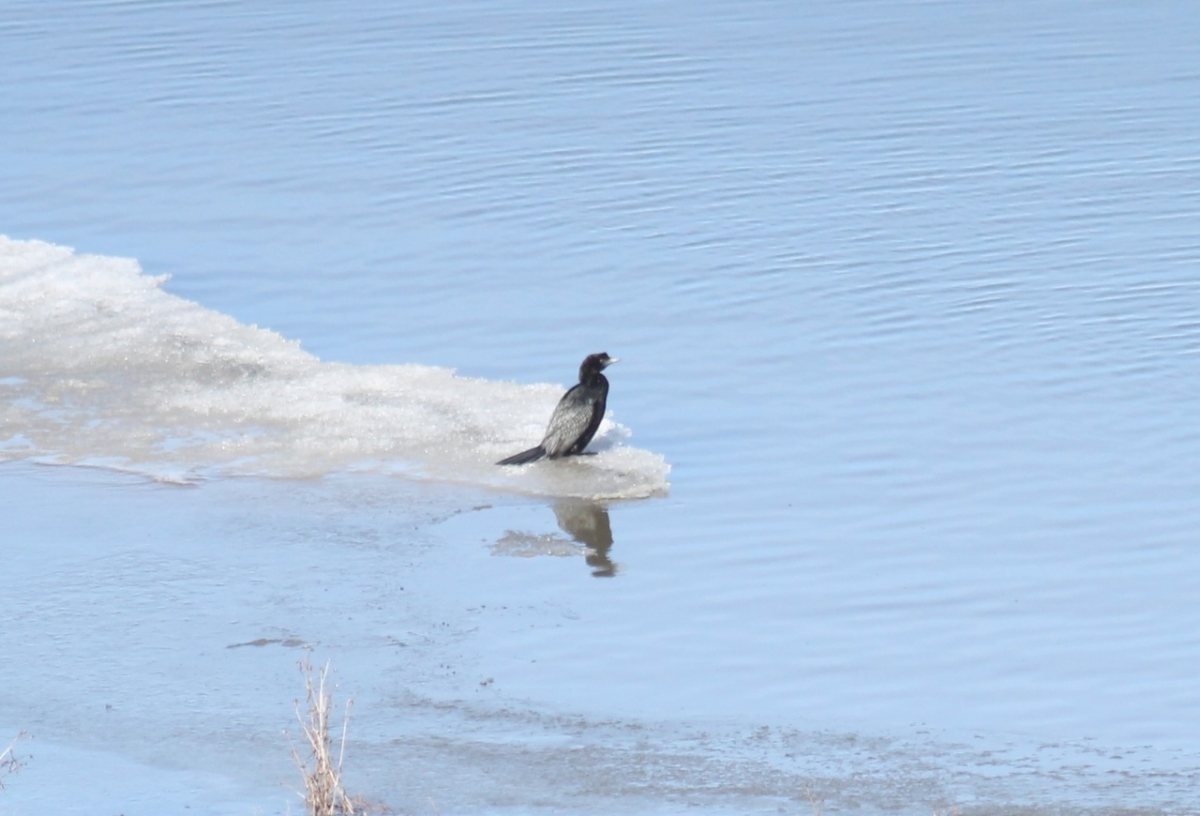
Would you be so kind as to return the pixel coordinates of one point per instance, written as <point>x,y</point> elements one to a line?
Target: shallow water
<point>905,297</point>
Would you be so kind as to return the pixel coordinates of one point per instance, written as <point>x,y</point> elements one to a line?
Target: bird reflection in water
<point>587,523</point>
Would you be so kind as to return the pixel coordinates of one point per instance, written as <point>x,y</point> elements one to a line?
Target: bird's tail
<point>531,455</point>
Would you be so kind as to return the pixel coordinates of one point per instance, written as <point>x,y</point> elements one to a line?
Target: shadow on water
<point>587,523</point>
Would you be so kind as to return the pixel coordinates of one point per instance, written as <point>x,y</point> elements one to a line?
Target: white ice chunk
<point>101,366</point>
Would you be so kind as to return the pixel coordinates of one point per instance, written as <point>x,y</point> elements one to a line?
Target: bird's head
<point>594,364</point>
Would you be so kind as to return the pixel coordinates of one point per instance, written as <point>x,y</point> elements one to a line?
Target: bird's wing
<point>570,419</point>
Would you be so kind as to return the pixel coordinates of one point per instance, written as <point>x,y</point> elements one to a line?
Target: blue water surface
<point>906,293</point>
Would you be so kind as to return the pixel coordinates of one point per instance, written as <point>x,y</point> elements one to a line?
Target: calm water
<point>905,293</point>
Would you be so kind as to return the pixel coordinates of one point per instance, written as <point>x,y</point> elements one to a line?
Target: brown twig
<point>324,794</point>
<point>10,763</point>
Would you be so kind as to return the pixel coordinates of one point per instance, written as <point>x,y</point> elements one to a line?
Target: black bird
<point>576,417</point>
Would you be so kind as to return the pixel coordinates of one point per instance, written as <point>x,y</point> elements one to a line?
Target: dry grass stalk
<point>323,791</point>
<point>815,798</point>
<point>10,763</point>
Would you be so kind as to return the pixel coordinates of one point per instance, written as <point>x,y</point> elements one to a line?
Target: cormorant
<point>576,417</point>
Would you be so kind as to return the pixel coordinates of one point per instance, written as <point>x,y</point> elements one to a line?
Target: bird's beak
<point>611,360</point>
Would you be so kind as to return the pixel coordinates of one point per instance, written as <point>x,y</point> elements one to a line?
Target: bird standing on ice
<point>577,416</point>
